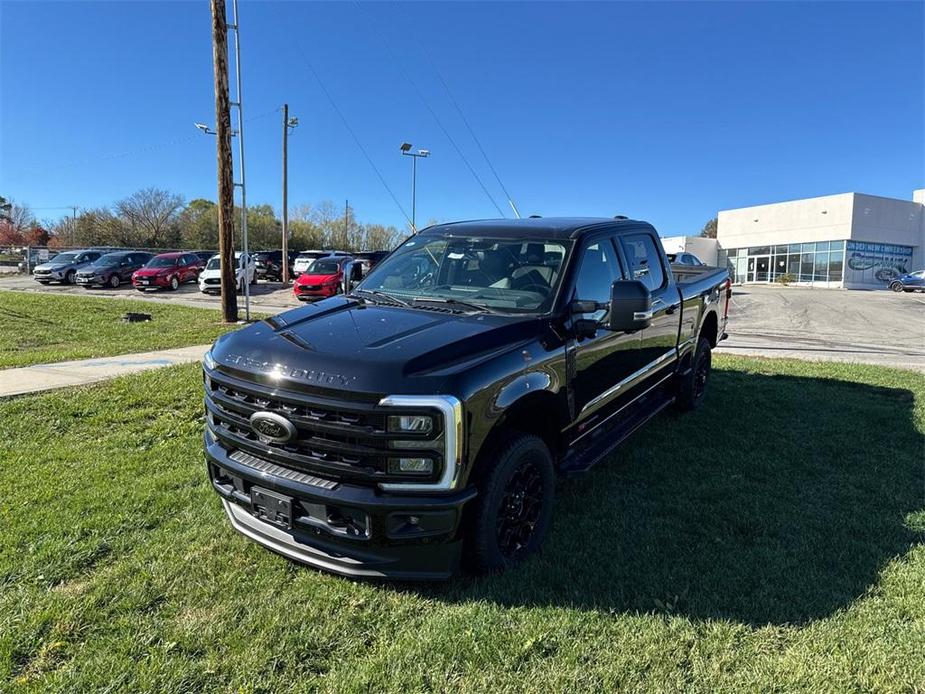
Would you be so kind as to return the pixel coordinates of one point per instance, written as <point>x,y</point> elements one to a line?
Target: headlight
<point>208,361</point>
<point>411,423</point>
<point>423,429</point>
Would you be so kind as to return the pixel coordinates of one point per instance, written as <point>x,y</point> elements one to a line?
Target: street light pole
<point>421,153</point>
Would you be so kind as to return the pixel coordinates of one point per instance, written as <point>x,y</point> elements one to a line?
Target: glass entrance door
<point>759,268</point>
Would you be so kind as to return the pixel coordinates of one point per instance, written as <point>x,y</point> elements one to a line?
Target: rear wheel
<point>896,286</point>
<point>693,385</point>
<point>514,506</point>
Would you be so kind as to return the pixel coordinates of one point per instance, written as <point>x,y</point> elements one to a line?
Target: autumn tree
<point>709,229</point>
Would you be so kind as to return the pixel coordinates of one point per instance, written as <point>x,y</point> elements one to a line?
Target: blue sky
<point>662,111</point>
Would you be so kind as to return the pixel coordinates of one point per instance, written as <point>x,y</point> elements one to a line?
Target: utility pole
<point>245,256</point>
<point>73,222</point>
<point>420,154</point>
<point>287,123</point>
<point>346,213</point>
<point>223,151</point>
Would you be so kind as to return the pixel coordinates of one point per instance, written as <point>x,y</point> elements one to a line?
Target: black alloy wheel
<point>521,507</point>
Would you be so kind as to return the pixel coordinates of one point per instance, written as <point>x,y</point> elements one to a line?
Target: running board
<point>609,440</point>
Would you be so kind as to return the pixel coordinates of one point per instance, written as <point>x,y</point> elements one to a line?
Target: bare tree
<point>152,215</point>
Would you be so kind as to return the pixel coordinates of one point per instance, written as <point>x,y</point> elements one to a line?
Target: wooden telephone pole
<point>285,259</point>
<point>225,176</point>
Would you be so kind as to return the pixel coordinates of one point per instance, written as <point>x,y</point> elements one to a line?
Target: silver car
<point>64,266</point>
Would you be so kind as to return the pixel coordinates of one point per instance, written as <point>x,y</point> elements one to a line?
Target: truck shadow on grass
<point>779,502</point>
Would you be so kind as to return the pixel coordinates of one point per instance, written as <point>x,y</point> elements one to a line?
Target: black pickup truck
<point>423,416</point>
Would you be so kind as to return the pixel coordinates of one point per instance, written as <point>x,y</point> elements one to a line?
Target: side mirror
<point>630,306</point>
<point>347,278</point>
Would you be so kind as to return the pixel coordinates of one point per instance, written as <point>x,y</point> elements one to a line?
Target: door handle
<point>671,309</point>
<point>642,315</point>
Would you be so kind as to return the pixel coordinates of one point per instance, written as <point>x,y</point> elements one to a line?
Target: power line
<point>465,120</point>
<point>133,152</point>
<point>346,124</point>
<point>433,113</point>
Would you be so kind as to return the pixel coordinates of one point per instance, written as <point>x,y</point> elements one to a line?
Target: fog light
<point>420,466</point>
<point>414,423</point>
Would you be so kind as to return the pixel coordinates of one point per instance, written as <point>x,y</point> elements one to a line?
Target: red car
<point>322,279</point>
<point>168,270</point>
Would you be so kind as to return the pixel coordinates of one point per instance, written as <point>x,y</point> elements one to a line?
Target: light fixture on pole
<point>206,130</point>
<point>421,153</point>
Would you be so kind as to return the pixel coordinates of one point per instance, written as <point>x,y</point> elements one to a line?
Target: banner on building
<point>875,264</point>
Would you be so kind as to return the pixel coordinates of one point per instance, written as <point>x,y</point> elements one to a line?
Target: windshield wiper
<point>454,302</point>
<point>383,295</point>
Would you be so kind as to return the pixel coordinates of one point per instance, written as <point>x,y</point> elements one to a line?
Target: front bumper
<point>324,291</point>
<point>150,282</point>
<point>346,529</point>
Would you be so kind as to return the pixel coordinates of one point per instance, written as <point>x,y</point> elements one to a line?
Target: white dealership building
<point>850,240</point>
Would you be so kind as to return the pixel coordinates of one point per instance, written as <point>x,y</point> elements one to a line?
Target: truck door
<point>643,258</point>
<point>604,363</point>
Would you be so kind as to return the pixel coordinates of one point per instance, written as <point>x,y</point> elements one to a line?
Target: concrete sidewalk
<point>41,377</point>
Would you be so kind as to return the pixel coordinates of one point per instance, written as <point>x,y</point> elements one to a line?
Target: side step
<point>604,443</point>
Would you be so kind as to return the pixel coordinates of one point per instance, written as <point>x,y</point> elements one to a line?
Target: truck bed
<point>697,279</point>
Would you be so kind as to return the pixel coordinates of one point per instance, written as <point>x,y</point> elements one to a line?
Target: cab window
<point>643,259</point>
<point>598,270</point>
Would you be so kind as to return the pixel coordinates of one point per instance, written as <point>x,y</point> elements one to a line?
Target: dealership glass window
<point>836,265</point>
<point>759,250</point>
<point>732,252</point>
<point>806,267</point>
<point>821,273</point>
<point>780,249</point>
<point>808,247</point>
<point>793,264</point>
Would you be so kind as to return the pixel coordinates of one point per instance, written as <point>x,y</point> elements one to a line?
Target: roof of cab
<point>533,227</point>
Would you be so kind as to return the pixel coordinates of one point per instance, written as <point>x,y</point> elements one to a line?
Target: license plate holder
<point>271,507</point>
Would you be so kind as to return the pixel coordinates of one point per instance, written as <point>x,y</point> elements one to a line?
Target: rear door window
<point>644,260</point>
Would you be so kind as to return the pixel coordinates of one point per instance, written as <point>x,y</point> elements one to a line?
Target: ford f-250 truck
<point>423,416</point>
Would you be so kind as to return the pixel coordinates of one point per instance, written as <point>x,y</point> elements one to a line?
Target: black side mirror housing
<point>347,278</point>
<point>630,306</point>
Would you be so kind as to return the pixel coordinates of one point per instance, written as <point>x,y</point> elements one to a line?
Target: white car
<point>306,258</point>
<point>210,279</point>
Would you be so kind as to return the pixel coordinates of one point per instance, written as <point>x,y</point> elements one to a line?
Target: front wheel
<point>174,283</point>
<point>896,286</point>
<point>693,384</point>
<point>70,277</point>
<point>514,506</point>
<point>115,280</point>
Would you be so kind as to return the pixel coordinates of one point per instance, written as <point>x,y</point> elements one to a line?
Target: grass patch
<point>41,328</point>
<point>773,540</point>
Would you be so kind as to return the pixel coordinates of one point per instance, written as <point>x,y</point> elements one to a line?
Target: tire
<point>514,507</point>
<point>115,280</point>
<point>70,277</point>
<point>174,283</point>
<point>896,286</point>
<point>693,386</point>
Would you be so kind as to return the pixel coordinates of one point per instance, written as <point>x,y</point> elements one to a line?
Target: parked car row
<point>318,273</point>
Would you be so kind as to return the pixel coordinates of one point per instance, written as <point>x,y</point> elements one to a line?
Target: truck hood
<point>341,344</point>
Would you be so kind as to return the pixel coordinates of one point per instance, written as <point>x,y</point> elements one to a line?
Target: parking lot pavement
<point>41,377</point>
<point>266,297</point>
<point>875,327</point>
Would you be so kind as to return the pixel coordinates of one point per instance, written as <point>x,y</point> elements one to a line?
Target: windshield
<point>505,274</point>
<point>65,257</point>
<point>214,263</point>
<point>109,259</point>
<point>324,267</point>
<point>162,262</point>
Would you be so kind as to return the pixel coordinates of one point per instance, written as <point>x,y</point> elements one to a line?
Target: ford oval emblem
<point>272,428</point>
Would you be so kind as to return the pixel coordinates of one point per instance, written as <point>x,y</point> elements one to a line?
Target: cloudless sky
<point>663,111</point>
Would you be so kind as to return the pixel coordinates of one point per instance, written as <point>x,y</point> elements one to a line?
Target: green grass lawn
<point>772,541</point>
<point>43,328</point>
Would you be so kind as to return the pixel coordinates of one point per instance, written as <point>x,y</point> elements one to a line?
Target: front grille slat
<point>336,440</point>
